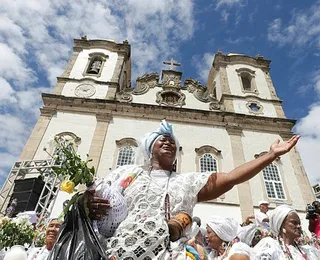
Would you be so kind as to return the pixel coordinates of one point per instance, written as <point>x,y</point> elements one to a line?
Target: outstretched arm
<point>219,183</point>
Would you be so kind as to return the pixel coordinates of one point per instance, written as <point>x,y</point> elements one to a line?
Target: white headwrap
<point>149,139</point>
<point>246,233</point>
<point>277,217</point>
<point>30,215</point>
<point>225,228</point>
<point>241,249</point>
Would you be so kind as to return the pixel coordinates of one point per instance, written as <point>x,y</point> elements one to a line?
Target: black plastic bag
<point>77,240</point>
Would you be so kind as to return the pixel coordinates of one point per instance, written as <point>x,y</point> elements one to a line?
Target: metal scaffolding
<point>29,169</point>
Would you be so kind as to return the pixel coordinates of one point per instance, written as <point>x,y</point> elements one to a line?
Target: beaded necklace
<point>287,251</point>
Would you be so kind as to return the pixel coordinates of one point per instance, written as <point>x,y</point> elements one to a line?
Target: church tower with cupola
<point>231,120</point>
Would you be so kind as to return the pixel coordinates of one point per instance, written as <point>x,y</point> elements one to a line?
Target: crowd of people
<point>150,208</point>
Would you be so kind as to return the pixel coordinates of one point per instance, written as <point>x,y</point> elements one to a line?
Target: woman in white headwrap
<point>220,230</point>
<point>42,253</point>
<point>285,222</point>
<point>158,193</point>
<point>250,235</point>
<point>240,251</point>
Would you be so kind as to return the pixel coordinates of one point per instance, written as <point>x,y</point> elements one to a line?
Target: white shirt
<point>38,253</point>
<point>259,216</point>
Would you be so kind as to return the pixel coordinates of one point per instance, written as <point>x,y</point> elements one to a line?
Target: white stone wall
<point>255,143</point>
<point>218,86</point>
<point>147,98</point>
<point>82,61</point>
<point>240,106</point>
<point>82,126</point>
<point>100,90</point>
<point>193,103</point>
<point>190,137</point>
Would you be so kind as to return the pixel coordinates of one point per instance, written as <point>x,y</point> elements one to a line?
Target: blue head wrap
<point>164,129</point>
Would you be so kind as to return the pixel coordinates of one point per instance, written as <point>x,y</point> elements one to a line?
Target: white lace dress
<point>144,233</point>
<point>270,249</point>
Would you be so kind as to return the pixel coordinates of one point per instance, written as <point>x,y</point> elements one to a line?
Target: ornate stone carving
<point>207,149</point>
<point>215,105</point>
<point>146,82</point>
<point>126,141</point>
<point>171,79</point>
<point>201,93</point>
<point>170,98</point>
<point>124,96</point>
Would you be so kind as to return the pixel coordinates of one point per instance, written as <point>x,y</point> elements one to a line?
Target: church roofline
<point>56,103</point>
<point>258,61</point>
<point>84,43</point>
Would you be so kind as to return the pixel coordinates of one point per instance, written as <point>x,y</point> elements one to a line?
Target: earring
<point>284,231</point>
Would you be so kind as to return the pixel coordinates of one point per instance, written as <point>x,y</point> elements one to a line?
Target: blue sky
<point>36,40</point>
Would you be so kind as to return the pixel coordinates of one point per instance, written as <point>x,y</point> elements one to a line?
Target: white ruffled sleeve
<point>184,189</point>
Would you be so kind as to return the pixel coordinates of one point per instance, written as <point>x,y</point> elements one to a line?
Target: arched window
<point>95,64</point>
<point>125,156</point>
<point>125,153</point>
<point>247,80</point>
<point>208,163</point>
<point>208,158</point>
<point>273,183</point>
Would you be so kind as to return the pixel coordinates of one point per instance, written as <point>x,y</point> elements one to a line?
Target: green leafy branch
<point>74,170</point>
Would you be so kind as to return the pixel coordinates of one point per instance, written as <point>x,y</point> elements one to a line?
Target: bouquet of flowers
<point>73,169</point>
<point>15,231</point>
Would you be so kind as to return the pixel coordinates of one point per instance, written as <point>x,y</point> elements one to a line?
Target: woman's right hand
<point>98,207</point>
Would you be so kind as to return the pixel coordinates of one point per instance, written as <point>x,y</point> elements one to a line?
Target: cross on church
<point>171,63</point>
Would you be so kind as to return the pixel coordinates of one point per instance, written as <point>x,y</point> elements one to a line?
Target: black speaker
<point>27,193</point>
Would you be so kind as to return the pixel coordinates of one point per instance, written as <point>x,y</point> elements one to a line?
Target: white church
<point>231,120</point>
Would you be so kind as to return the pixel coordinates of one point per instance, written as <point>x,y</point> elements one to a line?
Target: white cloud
<point>224,15</point>
<point>13,133</point>
<point>240,40</point>
<point>203,64</point>
<point>302,31</point>
<point>12,67</point>
<point>309,129</point>
<point>309,144</point>
<point>7,94</point>
<point>228,3</point>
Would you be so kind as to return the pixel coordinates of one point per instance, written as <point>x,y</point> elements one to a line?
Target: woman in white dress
<point>158,192</point>
<point>285,222</point>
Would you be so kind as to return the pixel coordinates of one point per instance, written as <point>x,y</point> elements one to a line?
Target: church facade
<point>232,120</point>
